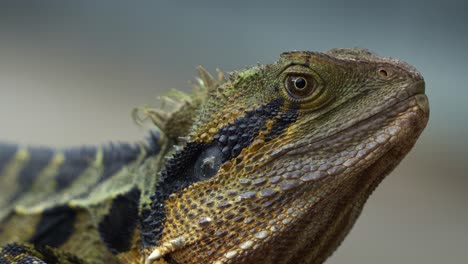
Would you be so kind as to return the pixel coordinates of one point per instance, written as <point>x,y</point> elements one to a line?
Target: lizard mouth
<point>399,103</point>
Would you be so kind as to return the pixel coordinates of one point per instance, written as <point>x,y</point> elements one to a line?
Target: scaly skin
<point>275,166</point>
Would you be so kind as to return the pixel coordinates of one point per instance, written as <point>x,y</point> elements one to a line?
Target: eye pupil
<point>300,86</point>
<point>300,83</point>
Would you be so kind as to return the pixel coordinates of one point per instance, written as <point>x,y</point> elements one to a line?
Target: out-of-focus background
<point>71,71</point>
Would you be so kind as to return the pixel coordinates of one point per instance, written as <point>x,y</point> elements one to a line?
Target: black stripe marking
<point>233,138</point>
<point>77,160</point>
<point>31,260</point>
<point>282,122</point>
<point>7,152</point>
<point>118,226</point>
<point>173,178</point>
<point>153,147</point>
<point>39,159</point>
<point>183,169</point>
<point>52,255</point>
<point>13,249</point>
<point>55,227</point>
<point>37,254</point>
<point>119,155</point>
<point>115,157</point>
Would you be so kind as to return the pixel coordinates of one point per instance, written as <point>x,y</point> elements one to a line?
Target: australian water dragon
<point>271,165</point>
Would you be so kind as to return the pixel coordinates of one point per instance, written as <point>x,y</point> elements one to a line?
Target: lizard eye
<point>304,87</point>
<point>299,86</point>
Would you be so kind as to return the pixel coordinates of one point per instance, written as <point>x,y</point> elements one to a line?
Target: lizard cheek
<point>208,163</point>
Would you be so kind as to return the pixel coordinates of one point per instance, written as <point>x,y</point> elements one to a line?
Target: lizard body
<point>274,166</point>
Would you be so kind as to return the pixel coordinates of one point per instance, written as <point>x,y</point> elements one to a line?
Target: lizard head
<point>282,157</point>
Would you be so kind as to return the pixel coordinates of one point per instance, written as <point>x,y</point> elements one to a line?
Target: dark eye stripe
<point>179,171</point>
<point>233,138</point>
<point>282,122</point>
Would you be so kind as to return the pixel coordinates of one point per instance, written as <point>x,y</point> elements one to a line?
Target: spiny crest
<point>178,109</point>
<point>227,102</point>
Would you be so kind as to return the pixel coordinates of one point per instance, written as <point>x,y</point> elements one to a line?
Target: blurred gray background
<point>71,71</point>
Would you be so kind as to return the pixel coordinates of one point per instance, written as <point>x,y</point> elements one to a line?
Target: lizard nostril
<point>383,72</point>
